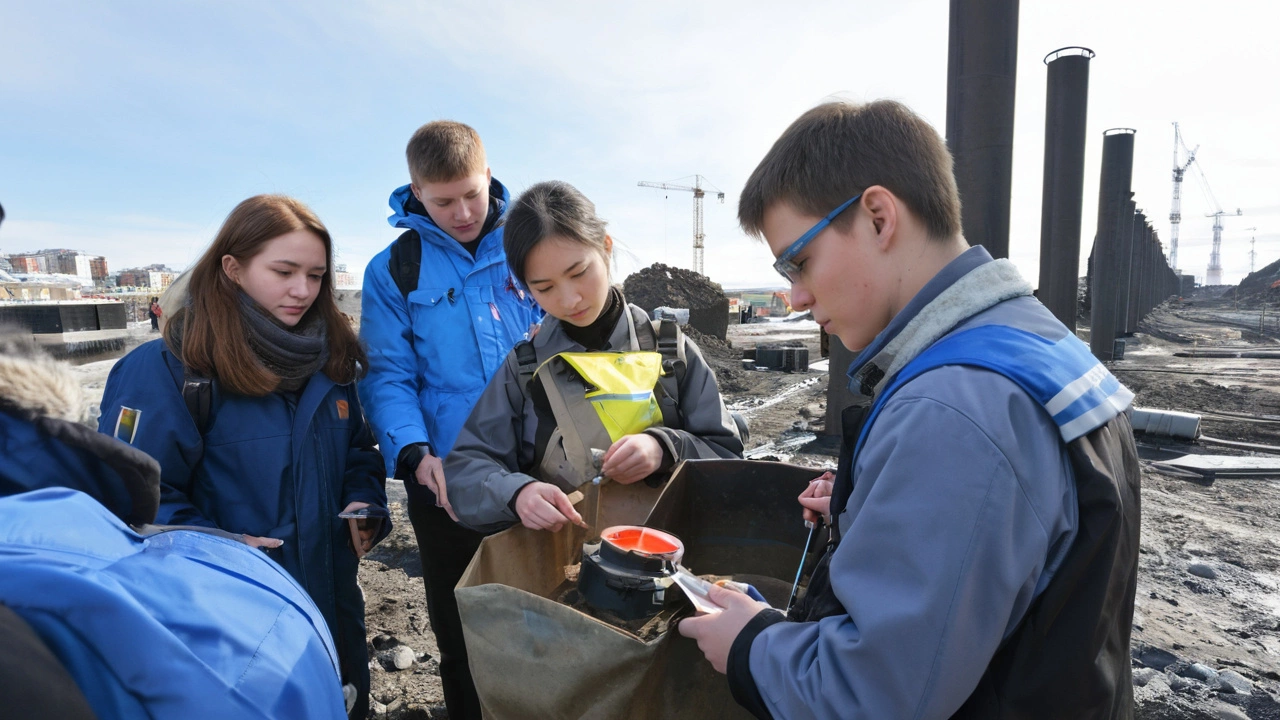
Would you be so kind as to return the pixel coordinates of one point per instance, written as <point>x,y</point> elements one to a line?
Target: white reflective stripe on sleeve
<point>1076,388</point>
<point>1115,404</point>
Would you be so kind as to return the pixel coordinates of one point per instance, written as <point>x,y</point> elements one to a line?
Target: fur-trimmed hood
<point>48,440</point>
<point>32,384</point>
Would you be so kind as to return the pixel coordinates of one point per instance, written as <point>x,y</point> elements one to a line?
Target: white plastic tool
<point>696,589</point>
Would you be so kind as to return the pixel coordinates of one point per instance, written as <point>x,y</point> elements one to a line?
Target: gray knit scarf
<point>294,353</point>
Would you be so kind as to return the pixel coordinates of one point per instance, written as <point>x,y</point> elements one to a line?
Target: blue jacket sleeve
<point>944,541</point>
<point>165,430</point>
<point>365,480</point>
<point>390,390</point>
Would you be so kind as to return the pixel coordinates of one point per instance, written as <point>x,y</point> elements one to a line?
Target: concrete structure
<point>72,328</point>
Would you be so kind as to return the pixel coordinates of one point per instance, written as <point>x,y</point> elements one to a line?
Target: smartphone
<point>362,518</point>
<point>367,513</point>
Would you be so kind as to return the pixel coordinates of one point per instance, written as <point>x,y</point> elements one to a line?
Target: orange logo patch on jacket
<point>343,410</point>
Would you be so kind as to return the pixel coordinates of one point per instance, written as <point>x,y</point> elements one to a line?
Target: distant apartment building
<point>157,277</point>
<point>98,268</point>
<point>61,261</point>
<point>25,264</point>
<point>342,278</point>
<point>160,279</point>
<point>73,263</point>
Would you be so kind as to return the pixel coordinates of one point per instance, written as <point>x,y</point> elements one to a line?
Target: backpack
<point>406,261</point>
<point>236,636</point>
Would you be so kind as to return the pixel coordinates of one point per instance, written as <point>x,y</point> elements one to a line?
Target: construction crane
<point>699,239</point>
<point>1213,276</point>
<point>1253,253</point>
<point>1175,211</point>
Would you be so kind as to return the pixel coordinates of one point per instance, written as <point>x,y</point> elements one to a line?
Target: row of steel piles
<point>1128,272</point>
<point>1129,275</point>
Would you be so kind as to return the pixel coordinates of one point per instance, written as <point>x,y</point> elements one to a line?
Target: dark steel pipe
<point>1126,246</point>
<point>982,58</point>
<point>1113,199</point>
<point>1065,115</point>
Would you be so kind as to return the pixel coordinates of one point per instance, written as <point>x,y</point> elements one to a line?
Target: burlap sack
<point>532,657</point>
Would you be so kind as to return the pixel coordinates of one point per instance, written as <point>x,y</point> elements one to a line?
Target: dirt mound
<point>662,285</point>
<point>716,351</point>
<point>1257,288</point>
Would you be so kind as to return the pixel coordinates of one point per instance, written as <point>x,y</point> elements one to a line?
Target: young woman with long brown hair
<point>249,405</point>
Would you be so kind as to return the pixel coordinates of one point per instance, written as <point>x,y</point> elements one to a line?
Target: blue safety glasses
<point>784,265</point>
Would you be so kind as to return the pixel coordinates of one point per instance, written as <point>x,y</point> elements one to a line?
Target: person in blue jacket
<point>104,614</point>
<point>984,517</point>
<point>249,405</point>
<point>440,312</point>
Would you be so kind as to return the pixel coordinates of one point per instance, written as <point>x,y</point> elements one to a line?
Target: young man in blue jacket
<point>984,517</point>
<point>440,312</point>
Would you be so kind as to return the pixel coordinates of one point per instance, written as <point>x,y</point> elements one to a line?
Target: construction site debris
<point>662,285</point>
<point>1222,466</point>
<point>779,357</point>
<point>1172,423</point>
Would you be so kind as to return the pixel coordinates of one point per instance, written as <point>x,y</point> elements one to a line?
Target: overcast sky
<point>130,129</point>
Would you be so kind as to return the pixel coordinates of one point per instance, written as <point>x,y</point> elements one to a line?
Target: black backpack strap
<point>197,394</point>
<point>668,340</point>
<point>526,363</point>
<point>406,262</point>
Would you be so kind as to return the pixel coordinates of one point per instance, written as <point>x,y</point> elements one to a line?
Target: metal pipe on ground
<point>1182,425</point>
<point>1113,198</point>
<point>1066,113</point>
<point>982,58</point>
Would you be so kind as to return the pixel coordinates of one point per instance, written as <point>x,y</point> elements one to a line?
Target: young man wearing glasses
<point>984,517</point>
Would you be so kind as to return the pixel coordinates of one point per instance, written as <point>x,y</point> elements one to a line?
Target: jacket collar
<point>552,339</point>
<point>968,285</point>
<point>408,213</point>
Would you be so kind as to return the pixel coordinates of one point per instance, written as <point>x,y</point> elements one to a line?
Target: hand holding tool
<point>813,527</point>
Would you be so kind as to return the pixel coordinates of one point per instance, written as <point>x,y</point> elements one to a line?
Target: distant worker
<point>984,517</point>
<point>248,402</point>
<point>154,312</point>
<point>439,313</point>
<point>522,448</point>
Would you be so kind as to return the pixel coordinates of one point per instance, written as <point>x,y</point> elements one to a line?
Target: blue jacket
<point>962,507</point>
<point>263,467</point>
<point>431,356</point>
<point>176,625</point>
<point>179,624</point>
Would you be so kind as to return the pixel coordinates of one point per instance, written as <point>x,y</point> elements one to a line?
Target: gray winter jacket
<point>494,455</point>
<point>963,506</point>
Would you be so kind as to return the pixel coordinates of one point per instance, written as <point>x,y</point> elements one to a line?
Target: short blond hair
<point>444,151</point>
